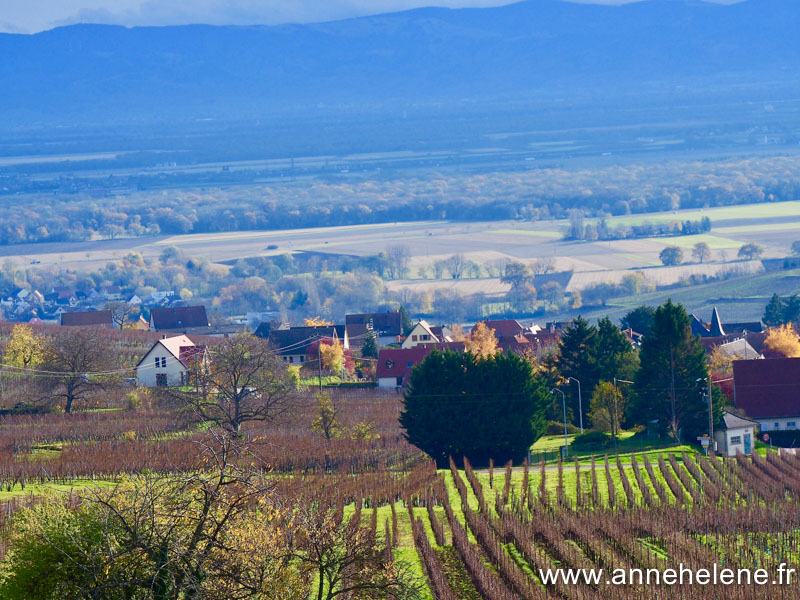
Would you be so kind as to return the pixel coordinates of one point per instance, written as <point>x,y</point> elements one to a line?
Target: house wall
<point>422,337</point>
<point>146,372</point>
<point>385,340</point>
<point>783,423</point>
<point>387,382</point>
<point>731,441</point>
<point>294,359</point>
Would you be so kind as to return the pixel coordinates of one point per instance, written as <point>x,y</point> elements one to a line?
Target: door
<point>748,443</point>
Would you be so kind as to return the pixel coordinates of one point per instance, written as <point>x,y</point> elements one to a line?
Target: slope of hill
<point>539,51</point>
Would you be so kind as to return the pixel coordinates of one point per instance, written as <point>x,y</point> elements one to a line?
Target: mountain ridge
<point>521,51</point>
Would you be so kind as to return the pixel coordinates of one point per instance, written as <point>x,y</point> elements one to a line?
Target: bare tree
<point>398,258</point>
<point>439,267</point>
<point>456,265</point>
<point>120,311</point>
<point>244,380</point>
<point>345,558</point>
<point>75,364</point>
<point>213,534</point>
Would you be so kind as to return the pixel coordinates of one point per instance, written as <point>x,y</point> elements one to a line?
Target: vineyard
<point>488,535</point>
<point>466,533</point>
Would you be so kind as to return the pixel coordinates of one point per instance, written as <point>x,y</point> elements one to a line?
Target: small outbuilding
<point>735,435</point>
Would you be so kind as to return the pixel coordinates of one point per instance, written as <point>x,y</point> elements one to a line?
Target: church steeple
<point>716,324</point>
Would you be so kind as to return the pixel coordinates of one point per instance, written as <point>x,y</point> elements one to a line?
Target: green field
<point>744,212</point>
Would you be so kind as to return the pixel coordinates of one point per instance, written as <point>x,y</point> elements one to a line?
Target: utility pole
<point>319,363</point>
<point>564,407</point>
<point>711,415</point>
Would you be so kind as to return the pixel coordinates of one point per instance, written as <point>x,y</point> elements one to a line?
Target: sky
<point>30,16</point>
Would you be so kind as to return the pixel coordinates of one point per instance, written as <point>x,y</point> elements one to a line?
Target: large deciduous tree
<point>24,348</point>
<point>459,406</point>
<point>671,255</point>
<point>242,380</point>
<point>76,363</point>
<point>671,380</point>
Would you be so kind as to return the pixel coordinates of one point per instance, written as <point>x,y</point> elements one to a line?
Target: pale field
<point>492,244</point>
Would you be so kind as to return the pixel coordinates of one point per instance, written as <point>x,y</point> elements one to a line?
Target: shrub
<point>591,440</point>
<point>557,428</point>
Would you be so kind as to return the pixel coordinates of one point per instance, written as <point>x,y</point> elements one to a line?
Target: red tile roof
<point>504,328</point>
<point>398,362</point>
<point>767,388</point>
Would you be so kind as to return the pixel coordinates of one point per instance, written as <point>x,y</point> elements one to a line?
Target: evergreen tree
<point>640,319</point>
<point>773,313</point>
<point>459,405</point>
<point>405,321</point>
<point>578,359</point>
<point>615,355</point>
<point>671,380</point>
<point>370,348</point>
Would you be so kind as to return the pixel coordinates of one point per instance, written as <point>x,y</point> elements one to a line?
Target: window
<point>302,359</point>
<point>164,362</point>
<point>736,439</point>
<point>413,338</point>
<point>158,361</point>
<point>777,425</point>
<point>791,425</point>
<point>409,364</point>
<point>426,337</point>
<point>291,360</point>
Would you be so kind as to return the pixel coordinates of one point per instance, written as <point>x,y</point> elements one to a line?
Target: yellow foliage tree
<point>483,342</point>
<point>720,363</point>
<point>24,348</point>
<point>317,322</point>
<point>332,356</point>
<point>783,340</point>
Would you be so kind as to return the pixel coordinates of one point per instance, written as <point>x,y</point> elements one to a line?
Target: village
<point>757,378</point>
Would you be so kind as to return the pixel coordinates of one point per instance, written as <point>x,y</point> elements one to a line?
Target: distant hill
<point>535,51</point>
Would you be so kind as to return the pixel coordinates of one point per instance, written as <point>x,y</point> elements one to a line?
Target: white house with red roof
<point>424,333</point>
<point>167,363</point>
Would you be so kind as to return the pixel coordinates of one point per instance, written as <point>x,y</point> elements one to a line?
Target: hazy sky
<point>28,16</point>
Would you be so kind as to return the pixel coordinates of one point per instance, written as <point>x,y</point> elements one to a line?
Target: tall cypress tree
<point>578,358</point>
<point>773,313</point>
<point>671,380</point>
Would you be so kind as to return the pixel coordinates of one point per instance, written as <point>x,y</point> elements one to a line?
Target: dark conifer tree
<point>672,378</point>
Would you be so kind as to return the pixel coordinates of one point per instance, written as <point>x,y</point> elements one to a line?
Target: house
<point>423,333</point>
<point>134,300</point>
<point>180,319</point>
<point>90,318</point>
<point>394,365</point>
<point>168,362</point>
<point>387,325</point>
<point>735,435</point>
<point>111,292</point>
<point>717,329</point>
<point>768,391</point>
<point>737,348</point>
<point>294,343</point>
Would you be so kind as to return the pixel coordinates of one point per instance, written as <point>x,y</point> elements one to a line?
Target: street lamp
<point>564,407</point>
<point>580,402</point>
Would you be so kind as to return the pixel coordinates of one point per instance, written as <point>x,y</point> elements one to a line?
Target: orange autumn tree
<point>483,342</point>
<point>783,341</point>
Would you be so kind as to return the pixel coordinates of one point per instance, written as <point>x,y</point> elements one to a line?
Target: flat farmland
<point>775,226</point>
